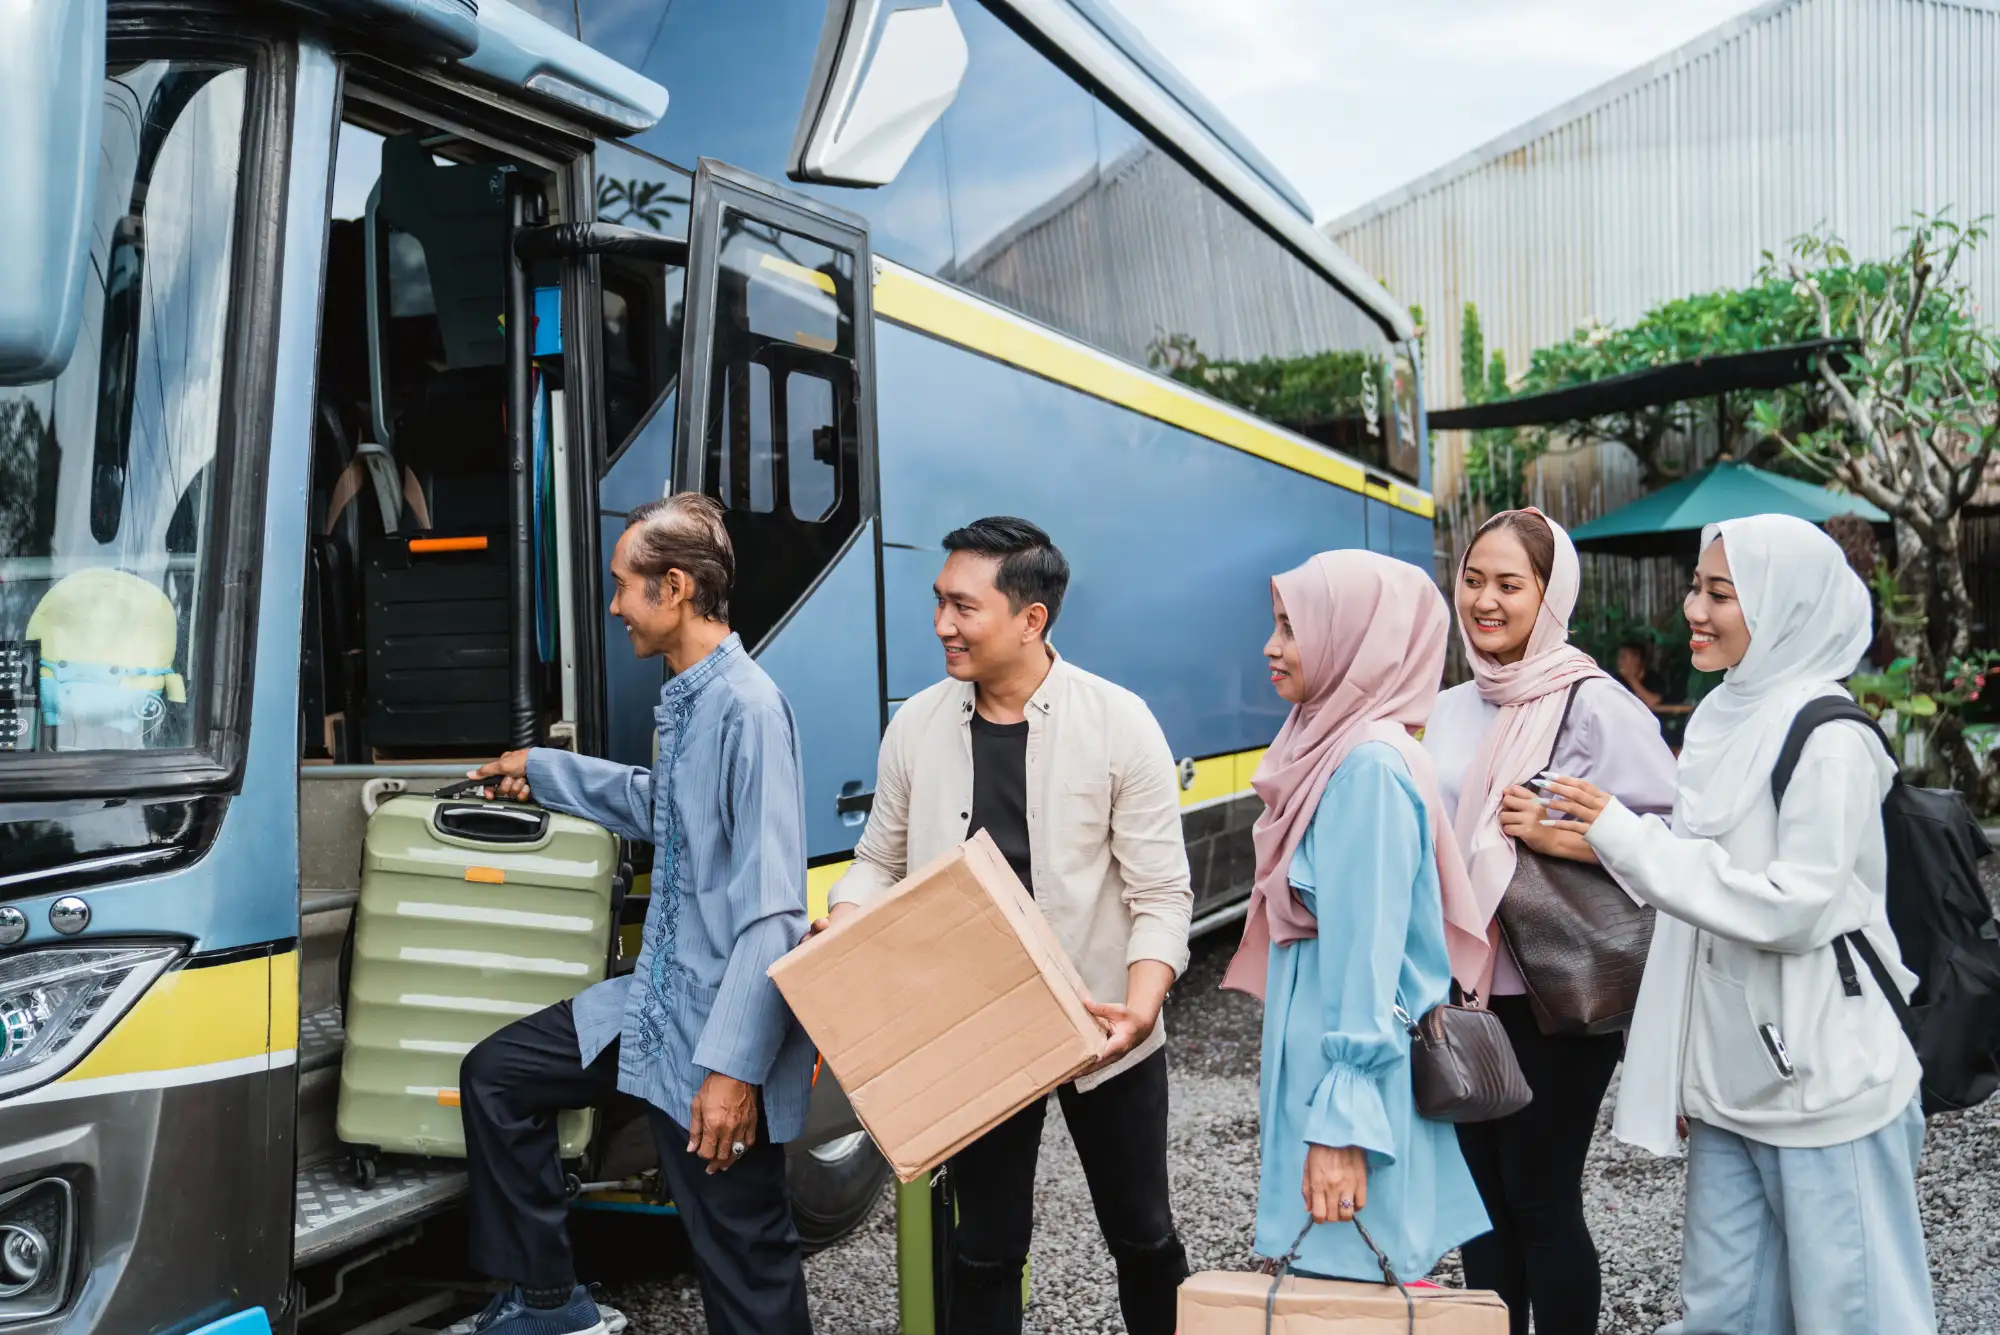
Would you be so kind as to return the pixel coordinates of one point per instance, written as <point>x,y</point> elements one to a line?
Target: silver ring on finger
<point>738,1150</point>
<point>1346,1204</point>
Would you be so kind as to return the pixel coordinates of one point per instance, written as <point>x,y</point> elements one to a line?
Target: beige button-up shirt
<point>1104,823</point>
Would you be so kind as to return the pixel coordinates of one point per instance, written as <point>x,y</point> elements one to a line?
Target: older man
<point>697,1030</point>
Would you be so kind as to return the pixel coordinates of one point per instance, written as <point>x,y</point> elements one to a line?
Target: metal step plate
<point>320,1039</point>
<point>333,1215</point>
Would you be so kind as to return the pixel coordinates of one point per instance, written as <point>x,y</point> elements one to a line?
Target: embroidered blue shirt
<point>724,808</point>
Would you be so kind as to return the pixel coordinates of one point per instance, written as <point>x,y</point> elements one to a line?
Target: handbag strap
<point>1286,1261</point>
<point>1562,725</point>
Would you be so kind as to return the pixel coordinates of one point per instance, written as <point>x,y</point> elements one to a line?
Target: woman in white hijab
<point>1798,1100</point>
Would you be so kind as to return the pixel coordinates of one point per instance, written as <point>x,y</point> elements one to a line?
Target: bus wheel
<point>834,1187</point>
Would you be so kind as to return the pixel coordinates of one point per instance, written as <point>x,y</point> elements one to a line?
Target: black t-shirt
<point>1000,791</point>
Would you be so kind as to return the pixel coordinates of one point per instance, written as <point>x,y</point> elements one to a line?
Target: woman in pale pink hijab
<point>1533,695</point>
<point>1357,875</point>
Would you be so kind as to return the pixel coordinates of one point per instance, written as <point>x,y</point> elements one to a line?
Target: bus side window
<point>642,317</point>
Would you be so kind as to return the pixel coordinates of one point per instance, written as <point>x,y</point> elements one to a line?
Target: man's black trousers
<point>1120,1130</point>
<point>739,1222</point>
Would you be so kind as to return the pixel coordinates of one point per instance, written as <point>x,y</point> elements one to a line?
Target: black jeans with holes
<point>1120,1131</point>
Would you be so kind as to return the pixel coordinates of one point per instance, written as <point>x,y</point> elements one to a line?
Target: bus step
<point>320,1040</point>
<point>333,1215</point>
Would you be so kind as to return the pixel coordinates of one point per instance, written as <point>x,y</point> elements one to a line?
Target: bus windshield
<point>106,474</point>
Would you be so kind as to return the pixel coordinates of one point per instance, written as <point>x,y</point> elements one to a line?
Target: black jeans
<point>739,1223</point>
<point>1529,1168</point>
<point>1120,1130</point>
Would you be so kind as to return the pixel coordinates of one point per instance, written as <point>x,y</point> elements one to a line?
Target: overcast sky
<point>1352,98</point>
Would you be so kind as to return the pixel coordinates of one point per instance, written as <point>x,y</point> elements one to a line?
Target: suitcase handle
<point>491,823</point>
<point>465,787</point>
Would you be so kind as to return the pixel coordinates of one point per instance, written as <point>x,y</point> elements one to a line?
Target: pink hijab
<point>1530,693</point>
<point>1371,635</point>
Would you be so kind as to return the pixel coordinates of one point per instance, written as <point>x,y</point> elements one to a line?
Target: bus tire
<point>835,1187</point>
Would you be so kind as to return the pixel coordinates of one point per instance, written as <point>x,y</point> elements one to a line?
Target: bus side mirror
<point>885,71</point>
<point>51,103</point>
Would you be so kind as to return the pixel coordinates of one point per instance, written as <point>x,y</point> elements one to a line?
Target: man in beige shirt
<point>1072,778</point>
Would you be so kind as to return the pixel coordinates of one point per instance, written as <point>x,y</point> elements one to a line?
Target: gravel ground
<point>1634,1202</point>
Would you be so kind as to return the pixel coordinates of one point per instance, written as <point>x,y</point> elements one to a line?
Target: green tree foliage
<point>1768,313</point>
<point>1910,421</point>
<point>1495,463</point>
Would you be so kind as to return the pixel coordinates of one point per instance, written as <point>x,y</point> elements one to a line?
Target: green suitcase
<point>473,913</point>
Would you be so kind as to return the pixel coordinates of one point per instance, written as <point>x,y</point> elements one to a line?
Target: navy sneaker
<point>509,1314</point>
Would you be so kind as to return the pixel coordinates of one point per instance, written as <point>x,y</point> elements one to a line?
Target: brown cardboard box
<point>1229,1303</point>
<point>944,1008</point>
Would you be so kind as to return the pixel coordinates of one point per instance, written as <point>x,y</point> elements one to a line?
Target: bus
<point>336,339</point>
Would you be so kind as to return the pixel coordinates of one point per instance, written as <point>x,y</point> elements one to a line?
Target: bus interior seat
<point>457,213</point>
<point>413,449</point>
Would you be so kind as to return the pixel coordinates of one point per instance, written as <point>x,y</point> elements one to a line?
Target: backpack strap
<point>1890,992</point>
<point>1825,709</point>
<point>1843,959</point>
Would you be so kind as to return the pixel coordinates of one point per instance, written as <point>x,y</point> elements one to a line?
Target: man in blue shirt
<point>697,1030</point>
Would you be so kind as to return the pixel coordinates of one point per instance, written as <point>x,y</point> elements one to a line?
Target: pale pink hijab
<point>1531,694</point>
<point>1371,634</point>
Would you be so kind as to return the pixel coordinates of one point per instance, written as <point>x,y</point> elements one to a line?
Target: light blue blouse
<point>1336,1060</point>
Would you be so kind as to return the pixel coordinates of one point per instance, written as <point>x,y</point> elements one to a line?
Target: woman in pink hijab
<point>1357,877</point>
<point>1517,586</point>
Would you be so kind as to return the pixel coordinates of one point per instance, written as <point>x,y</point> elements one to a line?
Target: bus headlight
<point>54,1004</point>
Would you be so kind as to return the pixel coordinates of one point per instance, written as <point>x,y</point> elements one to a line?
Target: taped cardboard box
<point>944,1007</point>
<point>1231,1303</point>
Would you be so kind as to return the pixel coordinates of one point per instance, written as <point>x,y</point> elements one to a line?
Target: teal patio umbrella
<point>1669,521</point>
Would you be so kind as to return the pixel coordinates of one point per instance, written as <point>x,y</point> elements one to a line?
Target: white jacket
<point>1745,962</point>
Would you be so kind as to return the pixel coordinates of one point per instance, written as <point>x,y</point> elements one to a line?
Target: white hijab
<point>1810,622</point>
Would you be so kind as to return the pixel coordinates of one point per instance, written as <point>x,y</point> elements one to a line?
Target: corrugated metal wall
<point>1674,179</point>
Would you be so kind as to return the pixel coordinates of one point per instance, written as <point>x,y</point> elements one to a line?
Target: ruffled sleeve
<point>1369,840</point>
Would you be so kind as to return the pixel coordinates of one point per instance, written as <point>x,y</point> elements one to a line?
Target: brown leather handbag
<point>1462,1064</point>
<point>1580,940</point>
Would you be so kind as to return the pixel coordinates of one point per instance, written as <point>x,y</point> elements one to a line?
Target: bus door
<point>772,414</point>
<point>777,422</point>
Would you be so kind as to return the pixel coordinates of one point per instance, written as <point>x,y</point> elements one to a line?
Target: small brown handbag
<point>1580,940</point>
<point>1462,1064</point>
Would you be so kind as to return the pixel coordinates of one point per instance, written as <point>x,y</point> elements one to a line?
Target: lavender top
<point>1611,740</point>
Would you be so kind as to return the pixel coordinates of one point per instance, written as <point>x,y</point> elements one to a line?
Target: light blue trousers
<point>1805,1242</point>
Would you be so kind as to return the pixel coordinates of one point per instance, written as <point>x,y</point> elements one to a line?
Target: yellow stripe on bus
<point>284,1001</point>
<point>819,883</point>
<point>1220,778</point>
<point>798,273</point>
<point>937,309</point>
<point>198,1017</point>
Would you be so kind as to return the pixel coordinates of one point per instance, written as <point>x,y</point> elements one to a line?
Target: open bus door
<point>774,418</point>
<point>777,422</point>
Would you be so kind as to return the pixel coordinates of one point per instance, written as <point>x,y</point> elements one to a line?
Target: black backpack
<point>1944,926</point>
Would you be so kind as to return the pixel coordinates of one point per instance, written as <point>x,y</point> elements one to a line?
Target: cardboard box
<point>944,1008</point>
<point>1229,1303</point>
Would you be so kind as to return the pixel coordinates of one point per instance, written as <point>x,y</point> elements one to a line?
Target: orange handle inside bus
<point>419,546</point>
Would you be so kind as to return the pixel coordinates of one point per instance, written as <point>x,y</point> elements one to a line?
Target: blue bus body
<point>176,1156</point>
